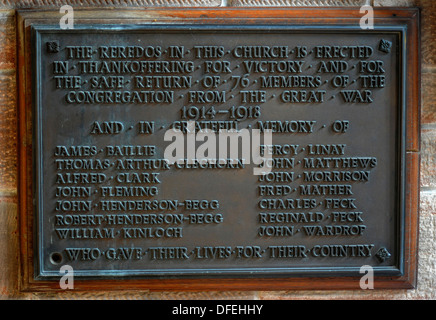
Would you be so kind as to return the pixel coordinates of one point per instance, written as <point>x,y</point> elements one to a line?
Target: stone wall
<point>9,249</point>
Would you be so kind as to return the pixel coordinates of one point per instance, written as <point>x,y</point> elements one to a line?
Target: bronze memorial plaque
<point>218,151</point>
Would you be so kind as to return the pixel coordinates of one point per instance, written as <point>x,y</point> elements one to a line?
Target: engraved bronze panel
<point>110,204</point>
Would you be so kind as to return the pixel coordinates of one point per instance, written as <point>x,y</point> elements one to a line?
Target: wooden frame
<point>315,16</point>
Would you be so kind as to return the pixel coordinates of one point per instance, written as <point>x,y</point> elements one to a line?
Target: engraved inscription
<point>113,104</point>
